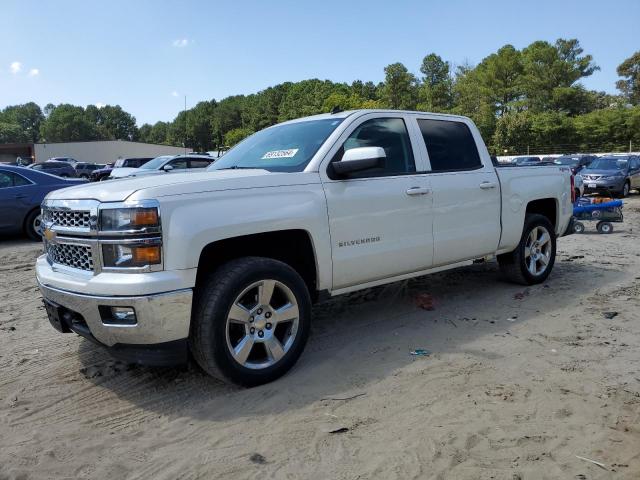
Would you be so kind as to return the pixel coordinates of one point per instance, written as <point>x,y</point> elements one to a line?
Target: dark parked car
<point>103,173</point>
<point>84,170</point>
<point>21,193</point>
<point>575,162</point>
<point>61,169</point>
<point>69,160</point>
<point>526,160</point>
<point>614,175</point>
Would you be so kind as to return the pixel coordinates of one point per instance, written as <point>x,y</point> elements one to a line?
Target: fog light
<point>119,316</point>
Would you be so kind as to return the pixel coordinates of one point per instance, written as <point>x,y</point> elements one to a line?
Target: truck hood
<point>156,186</point>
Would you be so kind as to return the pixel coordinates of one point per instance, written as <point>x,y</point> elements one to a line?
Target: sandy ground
<point>520,382</point>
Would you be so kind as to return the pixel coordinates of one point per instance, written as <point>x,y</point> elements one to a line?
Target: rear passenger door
<point>466,193</point>
<point>379,219</point>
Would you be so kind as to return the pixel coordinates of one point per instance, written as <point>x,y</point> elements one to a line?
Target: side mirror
<point>167,168</point>
<point>359,159</point>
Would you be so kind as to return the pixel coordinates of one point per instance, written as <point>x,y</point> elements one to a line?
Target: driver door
<point>380,220</point>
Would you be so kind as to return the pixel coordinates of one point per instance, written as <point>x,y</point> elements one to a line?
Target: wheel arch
<point>547,207</point>
<point>294,247</point>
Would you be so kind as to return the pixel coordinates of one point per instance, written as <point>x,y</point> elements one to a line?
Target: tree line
<point>528,99</point>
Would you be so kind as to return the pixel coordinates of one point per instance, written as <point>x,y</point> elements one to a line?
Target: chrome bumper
<point>161,318</point>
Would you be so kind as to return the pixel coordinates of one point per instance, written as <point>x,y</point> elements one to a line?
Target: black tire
<point>626,188</point>
<point>604,227</point>
<point>213,300</point>
<point>29,227</point>
<point>513,264</point>
<point>578,227</point>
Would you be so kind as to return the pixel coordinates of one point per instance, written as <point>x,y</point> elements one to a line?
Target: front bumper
<point>162,322</point>
<point>605,187</point>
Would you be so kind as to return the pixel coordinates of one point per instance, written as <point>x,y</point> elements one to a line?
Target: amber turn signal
<point>146,255</point>
<point>145,217</point>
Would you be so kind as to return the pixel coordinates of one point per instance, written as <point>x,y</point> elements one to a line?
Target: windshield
<point>155,163</point>
<point>610,163</point>
<point>283,148</point>
<point>566,161</point>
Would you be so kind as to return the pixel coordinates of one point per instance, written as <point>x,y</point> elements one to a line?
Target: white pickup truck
<point>225,264</point>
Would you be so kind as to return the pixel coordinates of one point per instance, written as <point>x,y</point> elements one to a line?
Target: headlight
<point>135,218</point>
<point>122,255</point>
<point>612,177</point>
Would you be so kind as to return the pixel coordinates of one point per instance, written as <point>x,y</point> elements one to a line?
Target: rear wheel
<point>533,259</point>
<point>604,227</point>
<point>578,227</point>
<point>33,225</point>
<point>251,321</point>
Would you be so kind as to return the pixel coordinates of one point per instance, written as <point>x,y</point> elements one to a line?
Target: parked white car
<point>165,164</point>
<point>227,262</point>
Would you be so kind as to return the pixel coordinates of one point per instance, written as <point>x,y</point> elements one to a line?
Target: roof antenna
<point>335,110</point>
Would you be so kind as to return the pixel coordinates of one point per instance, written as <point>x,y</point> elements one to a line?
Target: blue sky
<point>146,55</point>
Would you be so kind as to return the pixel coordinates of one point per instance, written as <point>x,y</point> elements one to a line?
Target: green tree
<point>12,133</point>
<point>112,122</point>
<point>436,93</point>
<point>68,123</point>
<point>630,85</point>
<point>27,117</point>
<point>236,135</point>
<point>400,90</point>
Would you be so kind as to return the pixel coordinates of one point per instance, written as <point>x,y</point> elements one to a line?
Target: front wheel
<point>533,259</point>
<point>578,227</point>
<point>33,225</point>
<point>251,321</point>
<point>624,193</point>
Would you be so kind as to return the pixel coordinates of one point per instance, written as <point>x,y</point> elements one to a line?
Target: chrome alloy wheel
<point>262,324</point>
<point>537,250</point>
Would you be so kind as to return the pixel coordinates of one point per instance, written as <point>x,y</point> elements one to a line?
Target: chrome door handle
<point>487,185</point>
<point>418,191</point>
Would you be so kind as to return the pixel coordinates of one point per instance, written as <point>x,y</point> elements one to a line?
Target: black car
<point>22,190</point>
<point>61,169</point>
<point>103,173</point>
<point>575,162</point>
<point>84,170</point>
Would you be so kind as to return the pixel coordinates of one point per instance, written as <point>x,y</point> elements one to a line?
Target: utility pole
<point>184,141</point>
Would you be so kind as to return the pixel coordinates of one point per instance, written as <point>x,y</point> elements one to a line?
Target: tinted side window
<point>19,180</point>
<point>450,145</point>
<point>179,164</point>
<point>391,135</point>
<point>6,180</point>
<point>199,163</point>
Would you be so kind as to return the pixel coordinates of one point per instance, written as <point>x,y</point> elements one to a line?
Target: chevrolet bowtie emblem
<point>49,234</point>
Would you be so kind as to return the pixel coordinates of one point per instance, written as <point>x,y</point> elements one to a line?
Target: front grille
<point>592,177</point>
<point>68,218</point>
<point>75,256</point>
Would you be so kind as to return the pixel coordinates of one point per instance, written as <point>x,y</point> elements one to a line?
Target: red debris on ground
<point>424,301</point>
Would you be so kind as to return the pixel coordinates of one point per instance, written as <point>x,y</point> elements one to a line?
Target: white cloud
<point>100,104</point>
<point>174,94</point>
<point>15,67</point>
<point>34,72</point>
<point>181,42</point>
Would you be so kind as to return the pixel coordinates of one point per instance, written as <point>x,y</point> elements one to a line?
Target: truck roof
<point>362,111</point>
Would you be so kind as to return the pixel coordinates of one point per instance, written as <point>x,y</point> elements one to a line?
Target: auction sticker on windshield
<point>280,154</point>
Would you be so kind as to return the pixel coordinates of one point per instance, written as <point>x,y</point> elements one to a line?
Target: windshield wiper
<point>236,167</point>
